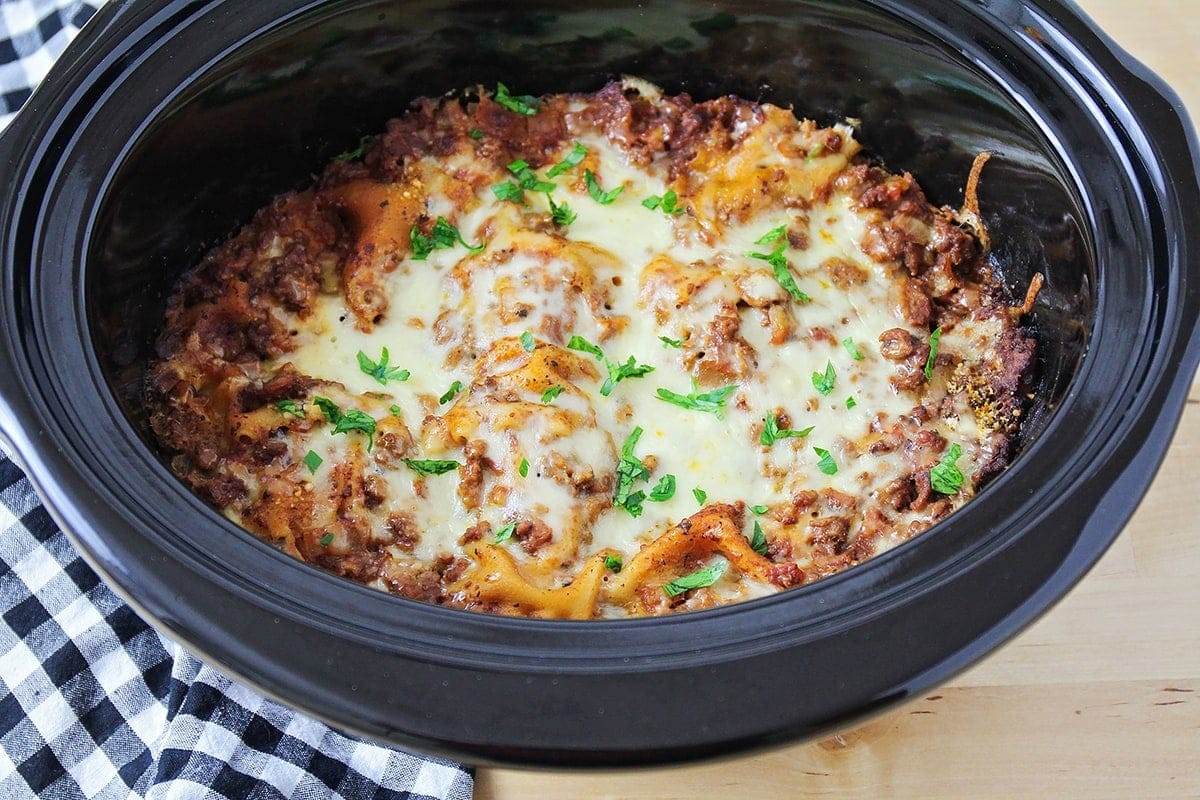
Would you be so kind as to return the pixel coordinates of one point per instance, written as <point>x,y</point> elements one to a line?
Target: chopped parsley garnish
<point>772,236</point>
<point>505,533</point>
<point>395,409</point>
<point>381,372</point>
<point>584,346</point>
<point>426,466</point>
<point>946,477</point>
<point>355,420</point>
<point>714,24</point>
<point>759,543</point>
<point>442,236</point>
<point>475,133</point>
<point>700,495</point>
<point>596,193</point>
<point>783,273</point>
<point>346,421</point>
<point>852,348</point>
<point>454,389</point>
<point>524,468</point>
<point>613,563</point>
<point>326,539</point>
<point>560,214</point>
<point>771,431</point>
<point>328,408</point>
<point>312,460</point>
<point>572,159</point>
<point>527,179</point>
<point>816,151</point>
<point>934,338</point>
<point>616,372</point>
<point>824,383</point>
<point>851,402</point>
<point>520,104</point>
<point>699,579</point>
<point>663,490</point>
<point>551,393</point>
<point>826,464</point>
<point>712,402</point>
<point>760,510</point>
<point>509,191</point>
<point>668,203</point>
<point>619,372</point>
<point>356,153</point>
<point>290,407</point>
<point>669,342</point>
<point>629,471</point>
<point>527,342</point>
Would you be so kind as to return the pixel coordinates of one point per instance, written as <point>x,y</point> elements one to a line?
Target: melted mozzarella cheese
<point>527,280</point>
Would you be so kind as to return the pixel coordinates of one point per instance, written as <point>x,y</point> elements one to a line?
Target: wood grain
<point>1099,699</point>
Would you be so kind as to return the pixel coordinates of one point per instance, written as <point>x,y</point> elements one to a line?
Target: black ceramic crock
<point>168,122</point>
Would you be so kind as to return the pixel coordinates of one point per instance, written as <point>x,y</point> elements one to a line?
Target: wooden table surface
<point>1099,699</point>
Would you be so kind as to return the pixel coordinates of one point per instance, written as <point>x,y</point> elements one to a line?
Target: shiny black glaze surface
<point>168,123</point>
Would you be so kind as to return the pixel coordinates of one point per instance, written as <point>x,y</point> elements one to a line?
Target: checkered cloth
<point>94,702</point>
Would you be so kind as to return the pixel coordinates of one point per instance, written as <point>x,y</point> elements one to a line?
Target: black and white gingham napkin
<point>94,703</point>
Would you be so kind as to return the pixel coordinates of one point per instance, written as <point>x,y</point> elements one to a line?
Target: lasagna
<point>593,355</point>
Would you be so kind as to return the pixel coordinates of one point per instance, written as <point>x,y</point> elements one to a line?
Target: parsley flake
<point>596,193</point>
<point>783,273</point>
<point>934,339</point>
<point>852,348</point>
<point>290,407</point>
<point>551,393</point>
<point>699,579</point>
<point>519,104</point>
<point>505,533</point>
<point>381,372</point>
<point>851,402</point>
<point>619,372</point>
<point>346,421</point>
<point>442,236</point>
<point>668,203</point>
<point>454,389</point>
<point>613,563</point>
<point>584,346</point>
<point>312,460</point>
<point>527,342</point>
<point>826,464</point>
<point>509,191</point>
<point>629,471</point>
<point>700,495</point>
<point>824,383</point>
<point>524,468</point>
<point>527,179</point>
<point>326,540</point>
<point>669,342</point>
<point>560,214</point>
<point>772,236</point>
<point>946,477</point>
<point>663,490</point>
<point>475,133</point>
<point>760,510</point>
<point>712,402</point>
<point>395,409</point>
<point>356,153</point>
<point>426,466</point>
<point>771,431</point>
<point>759,543</point>
<point>572,159</point>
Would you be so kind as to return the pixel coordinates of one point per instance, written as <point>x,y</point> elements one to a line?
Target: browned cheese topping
<point>597,355</point>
